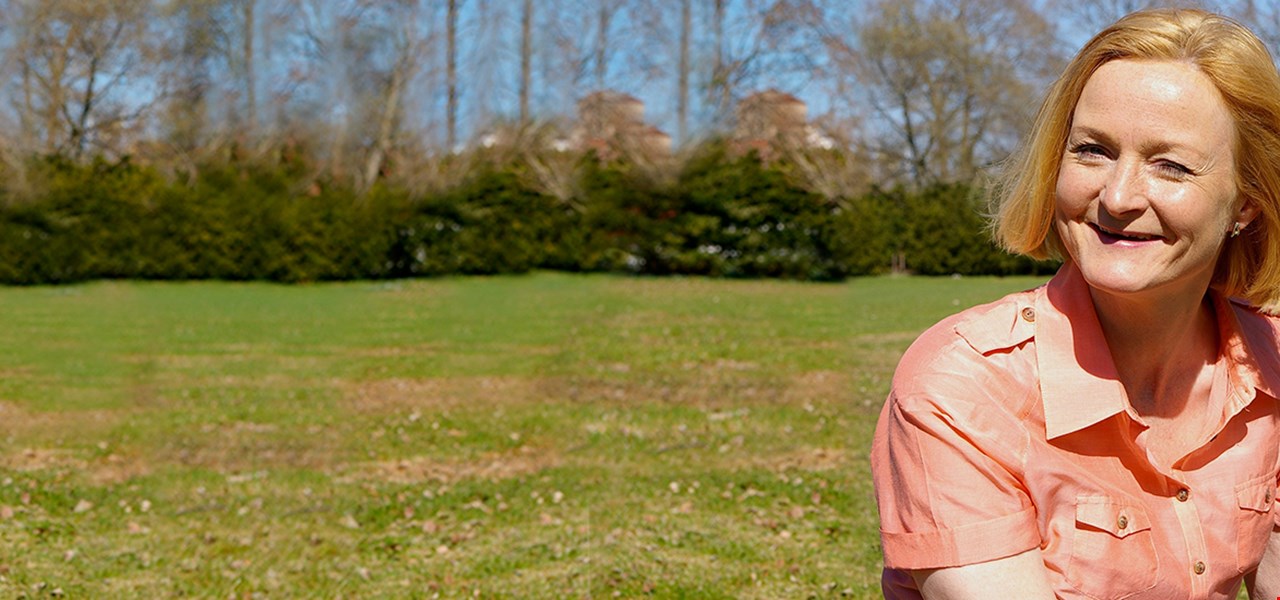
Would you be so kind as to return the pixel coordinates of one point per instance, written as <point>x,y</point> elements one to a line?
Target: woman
<point>1114,433</point>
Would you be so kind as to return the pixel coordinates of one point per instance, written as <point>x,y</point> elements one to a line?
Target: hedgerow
<point>723,216</point>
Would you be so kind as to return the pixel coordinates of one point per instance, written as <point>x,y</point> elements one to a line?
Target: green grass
<point>518,437</point>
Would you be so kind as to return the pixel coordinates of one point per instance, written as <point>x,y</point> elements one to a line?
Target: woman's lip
<point>1113,237</point>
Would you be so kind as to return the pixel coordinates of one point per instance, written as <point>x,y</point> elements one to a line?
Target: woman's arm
<point>1264,583</point>
<point>1021,576</point>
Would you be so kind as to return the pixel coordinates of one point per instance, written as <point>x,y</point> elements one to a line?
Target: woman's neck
<point>1159,345</point>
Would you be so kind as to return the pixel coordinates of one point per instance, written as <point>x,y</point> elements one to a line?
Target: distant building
<point>612,124</point>
<point>771,122</point>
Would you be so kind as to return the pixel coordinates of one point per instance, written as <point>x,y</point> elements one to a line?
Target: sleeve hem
<point>967,545</point>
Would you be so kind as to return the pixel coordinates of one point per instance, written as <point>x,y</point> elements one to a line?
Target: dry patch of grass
<point>715,384</point>
<point>396,351</point>
<point>491,467</point>
<point>440,393</point>
<point>239,445</point>
<point>107,469</point>
<point>116,469</point>
<point>21,426</point>
<point>818,387</point>
<point>816,460</point>
<point>38,459</point>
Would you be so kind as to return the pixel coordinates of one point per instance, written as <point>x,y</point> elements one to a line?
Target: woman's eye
<point>1173,168</point>
<point>1088,150</point>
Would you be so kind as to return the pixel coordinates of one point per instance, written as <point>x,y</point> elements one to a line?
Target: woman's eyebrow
<point>1079,131</point>
<point>1147,148</point>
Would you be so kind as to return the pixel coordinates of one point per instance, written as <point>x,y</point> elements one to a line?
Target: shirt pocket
<point>1113,554</point>
<point>1254,520</point>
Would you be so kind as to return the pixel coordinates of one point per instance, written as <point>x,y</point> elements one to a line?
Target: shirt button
<point>1122,522</point>
<point>1183,494</point>
<point>1198,568</point>
<point>1029,314</point>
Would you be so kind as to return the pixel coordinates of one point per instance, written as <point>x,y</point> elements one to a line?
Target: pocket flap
<point>1257,494</point>
<point>1115,516</point>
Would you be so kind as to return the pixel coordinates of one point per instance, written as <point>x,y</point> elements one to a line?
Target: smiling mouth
<point>1111,236</point>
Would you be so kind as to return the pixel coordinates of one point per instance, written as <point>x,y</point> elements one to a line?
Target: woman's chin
<point>1122,282</point>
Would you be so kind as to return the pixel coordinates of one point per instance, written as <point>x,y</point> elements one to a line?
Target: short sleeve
<point>1275,499</point>
<point>949,485</point>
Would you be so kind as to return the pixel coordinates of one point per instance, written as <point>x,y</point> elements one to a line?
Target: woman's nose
<point>1122,192</point>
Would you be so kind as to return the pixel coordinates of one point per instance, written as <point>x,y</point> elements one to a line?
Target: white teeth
<point>1140,237</point>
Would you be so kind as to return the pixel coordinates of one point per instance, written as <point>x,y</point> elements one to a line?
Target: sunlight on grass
<point>540,436</point>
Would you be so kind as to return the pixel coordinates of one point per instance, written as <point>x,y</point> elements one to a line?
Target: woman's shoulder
<point>972,349</point>
<point>1261,334</point>
<point>1252,316</point>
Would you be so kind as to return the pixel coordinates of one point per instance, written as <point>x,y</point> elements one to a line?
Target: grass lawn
<point>544,436</point>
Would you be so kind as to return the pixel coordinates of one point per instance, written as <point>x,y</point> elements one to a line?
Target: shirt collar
<point>1079,385</point>
<point>1078,381</point>
<point>1250,344</point>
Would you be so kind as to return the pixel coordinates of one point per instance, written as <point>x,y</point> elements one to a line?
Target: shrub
<point>489,224</point>
<point>722,216</point>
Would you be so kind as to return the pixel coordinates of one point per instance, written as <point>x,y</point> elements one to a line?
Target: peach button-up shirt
<point>1007,429</point>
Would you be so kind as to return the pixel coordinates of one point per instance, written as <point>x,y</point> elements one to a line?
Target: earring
<point>1235,231</point>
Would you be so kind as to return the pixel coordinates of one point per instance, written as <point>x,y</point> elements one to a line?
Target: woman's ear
<point>1247,213</point>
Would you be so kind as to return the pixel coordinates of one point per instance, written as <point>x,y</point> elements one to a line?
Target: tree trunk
<point>526,58</point>
<point>386,121</point>
<point>451,75</point>
<point>56,95</point>
<point>28,116</point>
<point>602,44</point>
<point>682,92</point>
<point>251,100</point>
<point>719,74</point>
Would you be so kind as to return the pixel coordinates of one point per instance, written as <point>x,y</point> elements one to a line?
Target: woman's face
<point>1146,191</point>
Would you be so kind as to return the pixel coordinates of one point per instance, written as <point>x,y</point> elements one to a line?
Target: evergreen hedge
<point>723,216</point>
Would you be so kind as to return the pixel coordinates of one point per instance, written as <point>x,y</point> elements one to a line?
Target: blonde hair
<point>1240,67</point>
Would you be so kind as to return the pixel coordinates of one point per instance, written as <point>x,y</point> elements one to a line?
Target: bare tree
<point>606,12</point>
<point>189,66</point>
<point>75,59</point>
<point>359,62</point>
<point>1083,18</point>
<point>190,75</point>
<point>950,84</point>
<point>755,41</point>
<point>399,28</point>
<point>1262,17</point>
